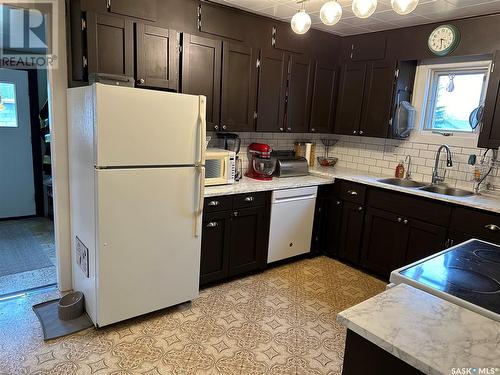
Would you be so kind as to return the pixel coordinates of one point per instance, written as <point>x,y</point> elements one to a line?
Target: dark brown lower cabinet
<point>234,240</point>
<point>351,228</point>
<point>424,239</point>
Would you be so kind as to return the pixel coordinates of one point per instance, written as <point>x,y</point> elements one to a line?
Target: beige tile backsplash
<point>379,156</point>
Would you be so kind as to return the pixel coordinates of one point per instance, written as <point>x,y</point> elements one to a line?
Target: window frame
<point>430,106</point>
<point>420,100</point>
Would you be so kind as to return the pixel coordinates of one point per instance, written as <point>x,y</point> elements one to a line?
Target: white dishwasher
<point>292,216</point>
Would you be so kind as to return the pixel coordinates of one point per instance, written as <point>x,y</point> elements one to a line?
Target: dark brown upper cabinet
<point>222,21</point>
<point>144,9</point>
<point>367,47</point>
<point>377,101</point>
<point>273,66</point>
<point>300,84</point>
<point>324,98</point>
<point>201,73</point>
<point>490,128</point>
<point>239,79</point>
<point>110,45</point>
<point>157,57</point>
<point>350,102</point>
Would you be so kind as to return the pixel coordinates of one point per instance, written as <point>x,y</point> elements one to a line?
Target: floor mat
<point>53,327</point>
<point>20,251</point>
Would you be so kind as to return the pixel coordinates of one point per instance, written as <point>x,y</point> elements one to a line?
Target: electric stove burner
<point>471,281</point>
<point>489,255</point>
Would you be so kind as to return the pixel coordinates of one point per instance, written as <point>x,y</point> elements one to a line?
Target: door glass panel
<point>8,106</point>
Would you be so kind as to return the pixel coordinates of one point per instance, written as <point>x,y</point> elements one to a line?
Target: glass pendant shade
<point>330,13</point>
<point>404,6</point>
<point>301,22</point>
<point>364,8</point>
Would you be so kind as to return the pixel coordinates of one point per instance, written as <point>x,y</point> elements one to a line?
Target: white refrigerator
<point>136,187</point>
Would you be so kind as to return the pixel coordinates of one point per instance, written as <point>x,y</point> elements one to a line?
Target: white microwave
<point>220,166</point>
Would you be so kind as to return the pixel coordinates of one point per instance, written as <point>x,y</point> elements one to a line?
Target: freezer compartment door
<point>136,127</point>
<point>148,252</point>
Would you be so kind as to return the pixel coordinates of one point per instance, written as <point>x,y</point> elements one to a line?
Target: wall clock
<point>444,39</point>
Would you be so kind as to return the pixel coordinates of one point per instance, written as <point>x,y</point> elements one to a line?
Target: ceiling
<point>384,18</point>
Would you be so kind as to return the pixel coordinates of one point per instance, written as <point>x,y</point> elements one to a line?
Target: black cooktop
<point>470,271</point>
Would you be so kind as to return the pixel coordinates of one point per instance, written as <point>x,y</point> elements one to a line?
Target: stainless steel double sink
<point>440,189</point>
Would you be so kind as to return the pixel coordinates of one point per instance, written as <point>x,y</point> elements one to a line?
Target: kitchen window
<point>8,107</point>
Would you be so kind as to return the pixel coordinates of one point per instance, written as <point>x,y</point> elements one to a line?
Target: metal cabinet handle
<point>212,224</point>
<point>289,129</point>
<point>352,192</point>
<point>492,227</point>
<point>235,213</point>
<point>360,208</point>
<point>313,130</point>
<point>355,132</point>
<point>216,127</point>
<point>281,129</point>
<point>405,222</point>
<point>361,132</point>
<point>213,203</point>
<point>399,220</point>
<point>224,127</point>
<point>339,203</point>
<point>249,199</point>
<point>141,81</point>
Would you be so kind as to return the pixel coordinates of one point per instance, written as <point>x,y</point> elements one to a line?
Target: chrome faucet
<point>408,170</point>
<point>436,178</point>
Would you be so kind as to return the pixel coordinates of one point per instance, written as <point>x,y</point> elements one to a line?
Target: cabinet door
<point>490,129</point>
<point>423,240</point>
<point>215,247</point>
<point>323,98</point>
<point>110,45</point>
<point>248,240</point>
<point>299,94</point>
<point>271,91</point>
<point>350,99</point>
<point>157,57</point>
<point>201,73</point>
<point>144,9</point>
<point>377,101</point>
<point>238,87</point>
<point>350,231</point>
<point>384,241</point>
<point>333,226</point>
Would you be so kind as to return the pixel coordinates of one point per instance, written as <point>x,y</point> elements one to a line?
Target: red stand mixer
<point>261,163</point>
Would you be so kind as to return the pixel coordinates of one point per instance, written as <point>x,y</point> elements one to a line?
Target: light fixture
<point>404,6</point>
<point>330,12</point>
<point>364,8</point>
<point>301,21</point>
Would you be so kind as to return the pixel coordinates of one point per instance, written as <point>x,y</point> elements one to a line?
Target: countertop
<point>327,175</point>
<point>248,185</point>
<point>427,332</point>
<point>475,201</point>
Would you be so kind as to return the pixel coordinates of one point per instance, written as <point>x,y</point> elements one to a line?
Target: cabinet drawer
<point>410,207</point>
<point>479,224</point>
<point>250,200</point>
<point>213,204</point>
<point>352,192</point>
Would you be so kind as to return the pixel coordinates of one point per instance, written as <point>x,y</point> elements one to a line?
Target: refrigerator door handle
<point>201,198</point>
<point>203,128</point>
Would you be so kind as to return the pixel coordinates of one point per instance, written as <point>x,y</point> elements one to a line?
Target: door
<point>299,94</point>
<point>423,240</point>
<point>377,101</point>
<point>201,73</point>
<point>151,128</point>
<point>490,128</point>
<point>323,98</point>
<point>350,101</point>
<point>148,255</point>
<point>239,72</point>
<point>271,91</point>
<point>110,45</point>
<point>350,232</point>
<point>247,240</point>
<point>215,247</point>
<point>384,242</point>
<point>17,187</point>
<point>157,57</point>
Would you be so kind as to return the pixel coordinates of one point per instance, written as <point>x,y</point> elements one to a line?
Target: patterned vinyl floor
<point>279,322</point>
